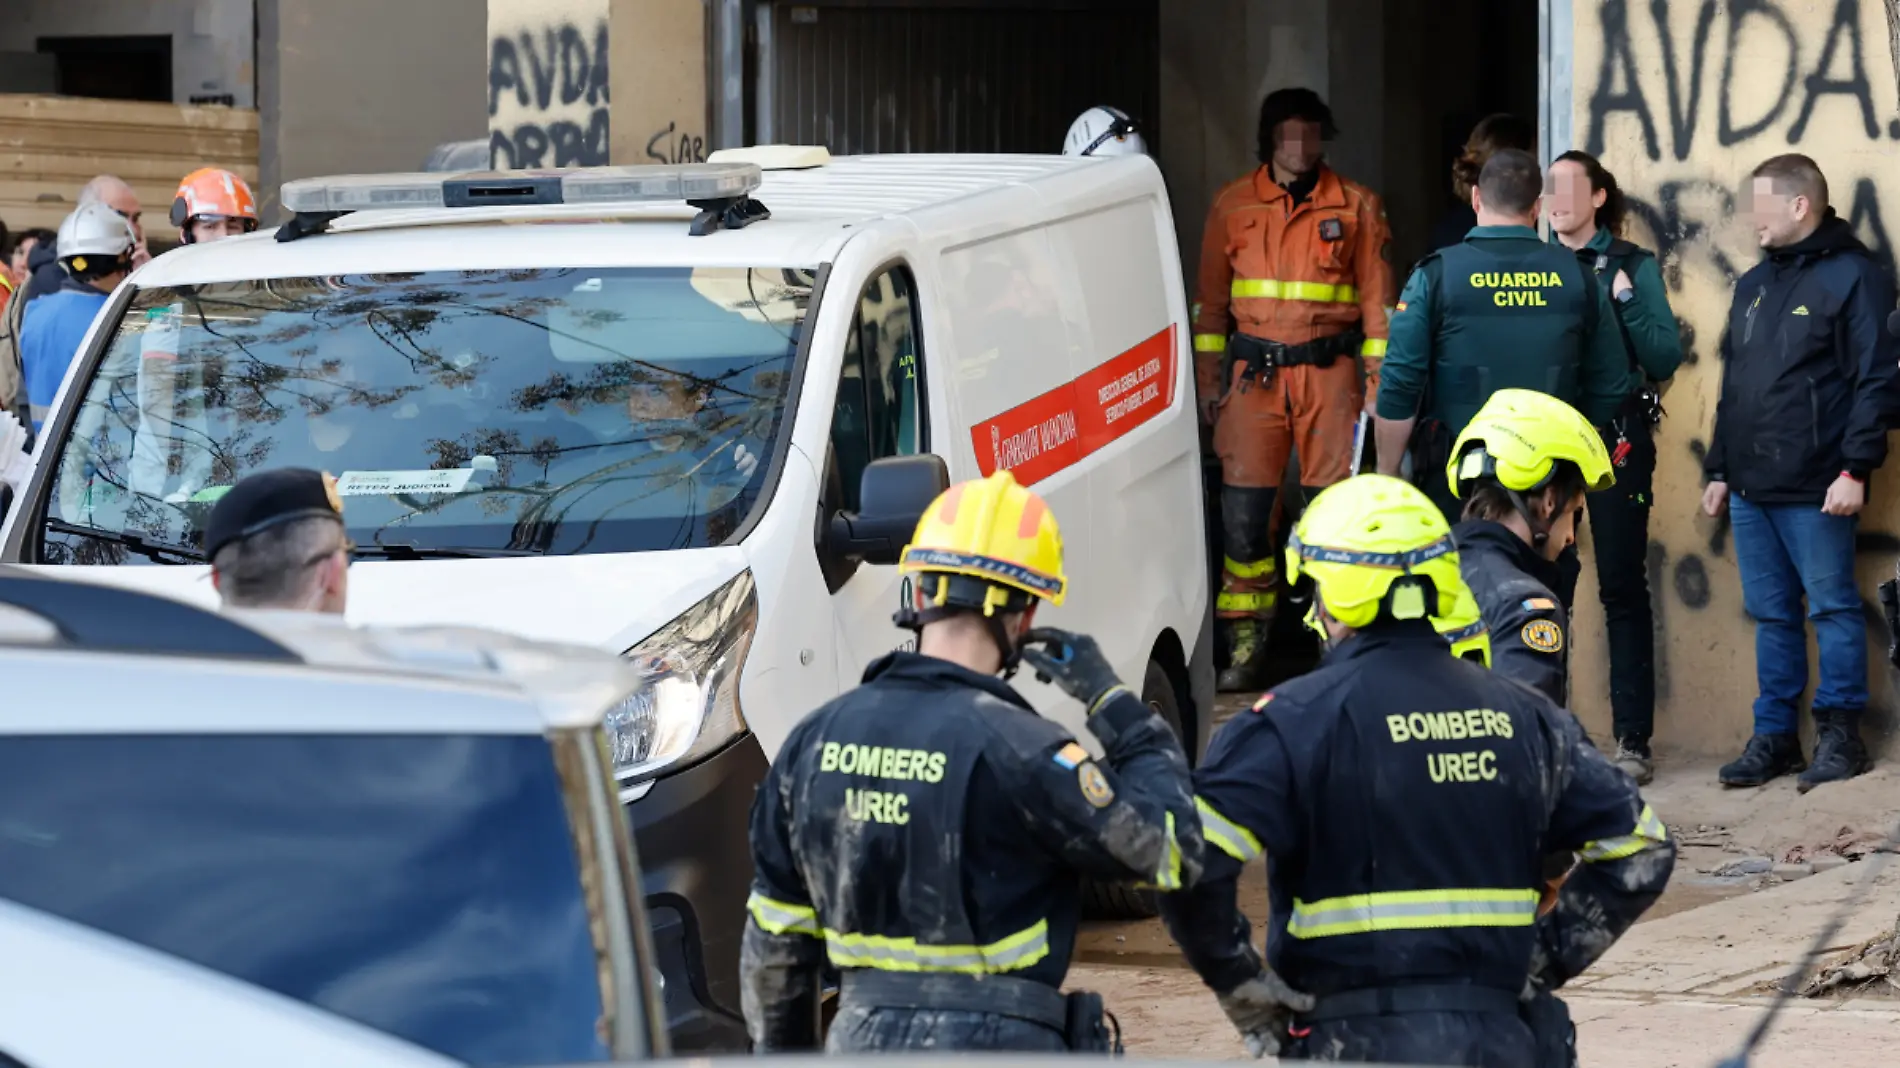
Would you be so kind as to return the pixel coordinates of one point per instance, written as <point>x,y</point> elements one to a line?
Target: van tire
<point>1104,900</point>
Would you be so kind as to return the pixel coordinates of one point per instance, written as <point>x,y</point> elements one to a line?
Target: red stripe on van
<point>1056,430</point>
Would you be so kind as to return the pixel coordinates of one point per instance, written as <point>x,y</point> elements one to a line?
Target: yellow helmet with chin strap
<point>1377,548</point>
<point>986,545</point>
<point>1517,440</point>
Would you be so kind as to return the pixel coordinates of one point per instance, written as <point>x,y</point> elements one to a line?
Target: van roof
<point>812,213</point>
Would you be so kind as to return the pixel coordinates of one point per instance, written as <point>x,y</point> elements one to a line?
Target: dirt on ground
<point>1731,843</point>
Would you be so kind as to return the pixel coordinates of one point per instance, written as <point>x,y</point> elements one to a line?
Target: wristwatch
<point>1624,297</point>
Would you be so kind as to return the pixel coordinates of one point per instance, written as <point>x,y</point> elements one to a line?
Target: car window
<point>879,411</point>
<point>547,411</point>
<point>423,886</point>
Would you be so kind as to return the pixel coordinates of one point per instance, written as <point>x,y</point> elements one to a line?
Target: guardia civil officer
<point>927,833</point>
<point>1522,468</point>
<point>1502,310</point>
<point>1406,799</point>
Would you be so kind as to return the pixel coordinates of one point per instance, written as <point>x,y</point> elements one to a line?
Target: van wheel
<point>1124,901</point>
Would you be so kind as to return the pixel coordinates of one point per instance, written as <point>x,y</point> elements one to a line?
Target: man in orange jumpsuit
<point>1294,284</point>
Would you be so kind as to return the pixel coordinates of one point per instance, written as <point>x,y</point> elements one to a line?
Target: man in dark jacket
<point>1808,377</point>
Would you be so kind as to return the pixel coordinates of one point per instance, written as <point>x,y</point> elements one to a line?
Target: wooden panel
<point>50,146</point>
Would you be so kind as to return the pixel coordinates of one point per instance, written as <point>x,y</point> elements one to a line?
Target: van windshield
<point>555,411</point>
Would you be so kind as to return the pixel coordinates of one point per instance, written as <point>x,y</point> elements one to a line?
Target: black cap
<point>268,499</point>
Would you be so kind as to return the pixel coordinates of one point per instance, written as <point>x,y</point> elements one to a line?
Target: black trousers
<point>1474,1039</point>
<point>1619,522</point>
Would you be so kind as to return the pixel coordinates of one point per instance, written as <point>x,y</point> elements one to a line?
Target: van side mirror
<point>893,495</point>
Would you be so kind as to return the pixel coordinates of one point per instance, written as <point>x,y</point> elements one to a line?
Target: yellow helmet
<point>1463,626</point>
<point>1518,438</point>
<point>992,531</point>
<point>1376,547</point>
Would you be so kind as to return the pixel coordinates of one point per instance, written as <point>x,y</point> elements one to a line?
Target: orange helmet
<point>209,192</point>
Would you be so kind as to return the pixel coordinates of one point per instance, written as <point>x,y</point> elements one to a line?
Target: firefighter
<point>1294,285</point>
<point>1522,469</point>
<point>1406,798</point>
<point>927,833</point>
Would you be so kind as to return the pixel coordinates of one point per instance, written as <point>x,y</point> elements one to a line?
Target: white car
<point>275,839</point>
<point>630,408</point>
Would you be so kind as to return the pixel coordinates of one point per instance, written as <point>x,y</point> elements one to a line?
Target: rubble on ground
<point>1874,964</point>
<point>1847,843</point>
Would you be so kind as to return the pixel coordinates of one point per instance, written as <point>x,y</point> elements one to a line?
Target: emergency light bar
<point>721,190</point>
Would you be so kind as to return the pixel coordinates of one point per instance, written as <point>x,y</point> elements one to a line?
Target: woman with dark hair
<point>1492,133</point>
<point>1587,211</point>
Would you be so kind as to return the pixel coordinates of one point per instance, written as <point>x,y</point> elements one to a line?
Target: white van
<point>628,407</point>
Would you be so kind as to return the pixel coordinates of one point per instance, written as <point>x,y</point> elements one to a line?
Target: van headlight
<point>688,705</point>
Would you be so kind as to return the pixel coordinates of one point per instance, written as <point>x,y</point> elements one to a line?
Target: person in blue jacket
<point>96,245</point>
<point>1808,392</point>
<point>1587,213</point>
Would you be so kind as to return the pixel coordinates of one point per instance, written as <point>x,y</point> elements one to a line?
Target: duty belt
<point>1260,356</point>
<point>1001,995</point>
<point>1394,1000</point>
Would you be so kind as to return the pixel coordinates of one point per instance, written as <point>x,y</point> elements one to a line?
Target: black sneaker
<point>1766,757</point>
<point>1839,754</point>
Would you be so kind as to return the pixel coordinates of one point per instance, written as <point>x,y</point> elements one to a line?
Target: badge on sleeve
<point>1543,636</point>
<point>1331,230</point>
<point>1072,755</point>
<point>1095,788</point>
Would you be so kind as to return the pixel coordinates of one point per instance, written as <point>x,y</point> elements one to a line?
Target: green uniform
<point>1503,310</point>
<point>1655,342</point>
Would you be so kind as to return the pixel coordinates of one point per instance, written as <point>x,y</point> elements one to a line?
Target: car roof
<point>153,651</point>
<point>814,212</point>
<point>60,975</point>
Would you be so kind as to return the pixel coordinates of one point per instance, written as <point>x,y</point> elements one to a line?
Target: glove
<point>1071,661</point>
<point>15,465</point>
<point>1262,1009</point>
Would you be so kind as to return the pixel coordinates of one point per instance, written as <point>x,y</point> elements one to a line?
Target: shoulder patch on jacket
<point>1072,755</point>
<point>1543,636</point>
<point>1095,788</point>
<point>1540,604</point>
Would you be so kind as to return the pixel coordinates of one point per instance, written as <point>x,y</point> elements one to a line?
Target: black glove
<point>1071,661</point>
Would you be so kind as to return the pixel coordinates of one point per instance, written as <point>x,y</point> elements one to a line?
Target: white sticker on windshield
<point>384,483</point>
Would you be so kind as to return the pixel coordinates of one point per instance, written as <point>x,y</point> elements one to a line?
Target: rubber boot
<point>1767,756</point>
<point>1839,754</point>
<point>1246,663</point>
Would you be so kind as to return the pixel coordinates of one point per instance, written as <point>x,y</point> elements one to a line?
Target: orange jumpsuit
<point>1290,274</point>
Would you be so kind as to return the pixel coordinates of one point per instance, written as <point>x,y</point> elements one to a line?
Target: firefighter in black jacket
<point>1406,799</point>
<point>927,833</point>
<point>1522,468</point>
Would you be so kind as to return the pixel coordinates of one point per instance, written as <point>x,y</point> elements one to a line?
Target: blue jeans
<point>1784,550</point>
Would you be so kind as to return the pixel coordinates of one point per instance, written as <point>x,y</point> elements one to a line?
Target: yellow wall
<point>1681,112</point>
<point>547,83</point>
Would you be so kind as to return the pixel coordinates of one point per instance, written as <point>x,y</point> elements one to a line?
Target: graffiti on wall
<point>1681,98</point>
<point>547,94</point>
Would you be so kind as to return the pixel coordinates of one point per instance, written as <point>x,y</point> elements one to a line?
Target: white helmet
<point>95,231</point>
<point>1104,131</point>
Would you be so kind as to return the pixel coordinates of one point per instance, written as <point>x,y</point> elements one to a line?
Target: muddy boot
<point>1766,757</point>
<point>1839,754</point>
<point>1246,664</point>
<point>1633,758</point>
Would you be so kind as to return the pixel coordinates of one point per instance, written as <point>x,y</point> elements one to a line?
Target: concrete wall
<point>353,86</point>
<point>1681,98</point>
<point>547,93</point>
<point>212,40</point>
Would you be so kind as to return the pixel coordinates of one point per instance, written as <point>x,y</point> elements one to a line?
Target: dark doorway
<point>863,76</point>
<point>112,68</point>
<point>1448,65</point>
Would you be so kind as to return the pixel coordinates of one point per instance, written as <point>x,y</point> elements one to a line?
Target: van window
<point>425,886</point>
<point>556,411</point>
<point>879,411</point>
